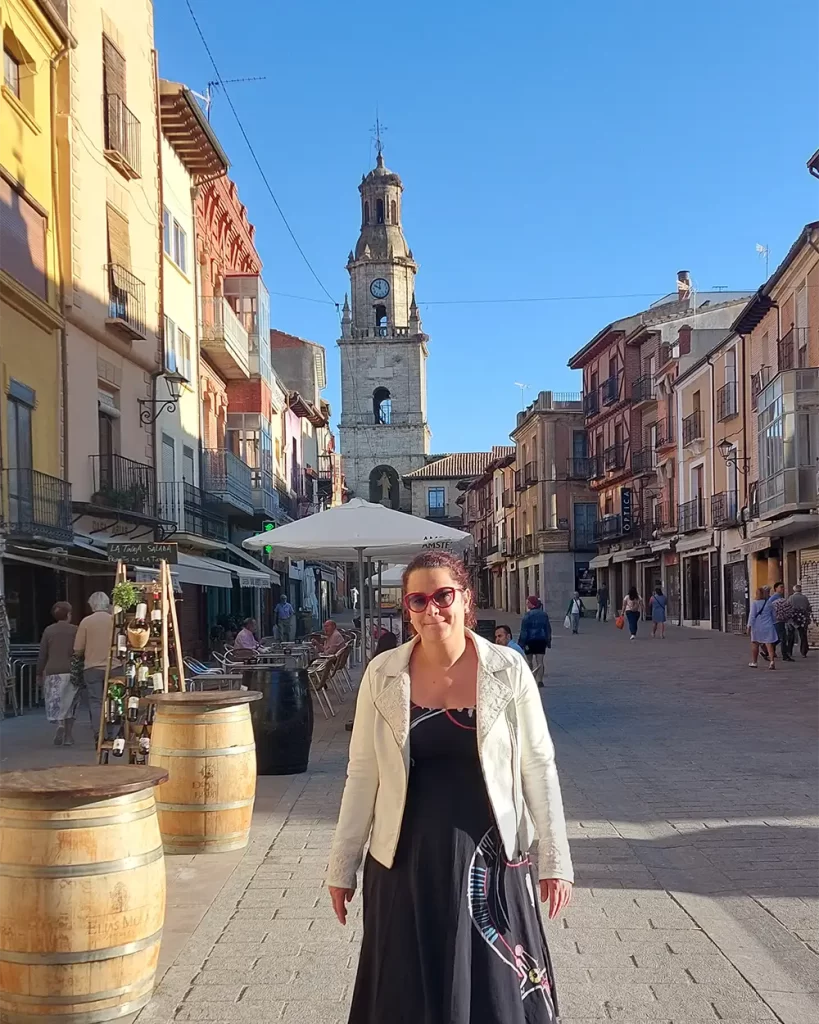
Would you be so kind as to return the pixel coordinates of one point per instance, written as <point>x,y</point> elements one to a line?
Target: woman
<point>535,636</point>
<point>388,641</point>
<point>657,607</point>
<point>54,672</point>
<point>632,609</point>
<point>762,627</point>
<point>451,773</point>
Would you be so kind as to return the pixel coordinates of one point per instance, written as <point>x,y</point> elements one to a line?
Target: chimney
<point>683,285</point>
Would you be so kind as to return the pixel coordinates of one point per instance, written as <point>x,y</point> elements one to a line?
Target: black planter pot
<point>282,719</point>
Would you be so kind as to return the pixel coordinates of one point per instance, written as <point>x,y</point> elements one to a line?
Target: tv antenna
<point>523,389</point>
<point>764,253</point>
<point>207,97</point>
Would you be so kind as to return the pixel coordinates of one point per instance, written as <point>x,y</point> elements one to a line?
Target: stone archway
<point>385,488</point>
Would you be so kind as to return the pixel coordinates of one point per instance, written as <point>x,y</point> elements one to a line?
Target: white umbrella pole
<point>379,597</point>
<point>361,595</point>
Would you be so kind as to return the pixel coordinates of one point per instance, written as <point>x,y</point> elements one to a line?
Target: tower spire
<point>377,131</point>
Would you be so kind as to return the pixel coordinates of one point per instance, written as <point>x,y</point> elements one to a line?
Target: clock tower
<point>383,431</point>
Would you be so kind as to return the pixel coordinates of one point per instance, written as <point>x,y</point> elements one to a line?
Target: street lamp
<point>174,381</point>
<point>731,457</point>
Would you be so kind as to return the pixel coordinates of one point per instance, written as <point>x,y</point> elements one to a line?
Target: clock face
<point>379,289</point>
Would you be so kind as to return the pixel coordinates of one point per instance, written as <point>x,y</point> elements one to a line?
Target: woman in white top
<point>451,774</point>
<point>632,609</point>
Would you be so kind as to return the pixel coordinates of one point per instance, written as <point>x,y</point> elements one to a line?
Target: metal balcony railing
<point>665,434</point>
<point>126,301</point>
<point>596,470</point>
<point>508,500</point>
<point>643,461</point>
<point>520,483</point>
<point>578,468</point>
<point>610,389</point>
<point>123,484</point>
<point>191,509</point>
<point>613,457</point>
<point>724,509</point>
<point>642,390</point>
<point>530,474</point>
<point>690,515</point>
<point>792,350</point>
<point>287,502</point>
<point>528,544</point>
<point>436,512</point>
<point>39,505</point>
<point>665,354</point>
<point>664,516</point>
<point>506,546</point>
<point>727,401</point>
<point>122,136</point>
<point>591,404</point>
<point>227,479</point>
<point>692,427</point>
<point>608,528</point>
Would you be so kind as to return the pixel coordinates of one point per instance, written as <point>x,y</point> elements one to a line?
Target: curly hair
<point>456,569</point>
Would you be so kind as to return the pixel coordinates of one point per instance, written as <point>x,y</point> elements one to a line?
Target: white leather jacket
<point>516,754</point>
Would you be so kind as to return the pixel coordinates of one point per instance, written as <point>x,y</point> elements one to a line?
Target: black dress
<point>452,933</point>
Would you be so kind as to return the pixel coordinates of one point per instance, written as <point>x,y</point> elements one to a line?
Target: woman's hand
<point>340,898</point>
<point>557,891</point>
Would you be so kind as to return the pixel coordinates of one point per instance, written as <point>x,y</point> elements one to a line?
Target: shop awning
<point>624,556</point>
<point>600,562</point>
<point>253,563</point>
<point>245,577</point>
<point>661,545</point>
<point>203,572</point>
<point>57,559</point>
<point>695,542</point>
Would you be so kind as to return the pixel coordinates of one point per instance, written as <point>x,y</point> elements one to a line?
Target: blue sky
<point>546,151</point>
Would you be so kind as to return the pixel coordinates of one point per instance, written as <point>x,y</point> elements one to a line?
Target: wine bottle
<point>133,707</point>
<point>122,643</point>
<point>142,671</point>
<point>157,681</point>
<point>104,755</point>
<point>119,616</point>
<point>118,748</point>
<point>130,669</point>
<point>156,614</point>
<point>141,616</point>
<point>116,696</point>
<point>145,740</point>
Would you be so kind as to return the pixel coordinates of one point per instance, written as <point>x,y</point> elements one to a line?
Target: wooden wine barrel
<point>82,893</point>
<point>282,719</point>
<point>205,742</point>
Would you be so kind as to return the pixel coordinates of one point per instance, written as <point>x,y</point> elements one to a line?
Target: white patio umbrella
<point>391,577</point>
<point>358,530</point>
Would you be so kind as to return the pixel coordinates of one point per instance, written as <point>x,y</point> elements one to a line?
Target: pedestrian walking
<point>503,637</point>
<point>54,673</point>
<point>783,620</point>
<point>284,619</point>
<point>575,611</point>
<point>602,603</point>
<point>451,775</point>
<point>535,637</point>
<point>762,628</point>
<point>802,614</point>
<point>632,609</point>
<point>657,607</point>
<point>93,642</point>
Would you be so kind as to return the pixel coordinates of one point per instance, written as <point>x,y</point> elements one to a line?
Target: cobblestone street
<point>690,790</point>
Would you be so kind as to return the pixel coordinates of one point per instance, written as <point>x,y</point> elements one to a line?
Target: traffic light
<point>268,524</point>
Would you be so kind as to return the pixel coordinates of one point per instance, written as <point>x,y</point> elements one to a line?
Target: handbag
<point>567,623</point>
<point>619,622</point>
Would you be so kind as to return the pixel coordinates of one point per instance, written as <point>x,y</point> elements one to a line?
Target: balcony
<point>123,147</point>
<point>528,544</point>
<point>39,506</point>
<point>126,303</point>
<point>665,434</point>
<point>690,516</point>
<point>613,458</point>
<point>262,493</point>
<point>608,528</point>
<point>508,499</point>
<point>642,390</point>
<point>123,485</point>
<point>727,401</point>
<point>227,480</point>
<point>643,461</point>
<point>792,350</point>
<point>789,490</point>
<point>591,404</point>
<point>595,468</point>
<point>610,389</point>
<point>724,509</point>
<point>520,482</point>
<point>507,546</point>
<point>193,511</point>
<point>665,354</point>
<point>578,469</point>
<point>287,502</point>
<point>436,512</point>
<point>692,428</point>
<point>664,516</point>
<point>530,474</point>
<point>223,338</point>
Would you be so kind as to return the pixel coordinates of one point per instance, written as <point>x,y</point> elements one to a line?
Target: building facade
<point>384,434</point>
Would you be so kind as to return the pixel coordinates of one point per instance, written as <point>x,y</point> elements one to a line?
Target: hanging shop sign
<point>148,553</point>
<point>625,511</point>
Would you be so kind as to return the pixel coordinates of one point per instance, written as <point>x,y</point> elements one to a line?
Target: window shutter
<point>113,69</point>
<point>119,242</point>
<point>22,240</point>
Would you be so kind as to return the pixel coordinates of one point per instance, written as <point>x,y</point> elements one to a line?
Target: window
<point>22,240</point>
<point>366,213</point>
<point>183,354</point>
<point>579,448</point>
<point>11,72</point>
<point>379,211</point>
<point>382,406</point>
<point>21,401</point>
<point>381,320</point>
<point>187,464</point>
<point>174,240</point>
<point>731,366</point>
<point>393,213</point>
<point>170,345</point>
<point>436,501</point>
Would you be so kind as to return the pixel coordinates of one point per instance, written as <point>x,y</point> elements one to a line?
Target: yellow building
<point>35,498</point>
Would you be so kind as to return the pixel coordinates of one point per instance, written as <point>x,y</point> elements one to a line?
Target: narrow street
<point>690,789</point>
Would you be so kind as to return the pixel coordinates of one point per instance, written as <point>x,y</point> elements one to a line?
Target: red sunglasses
<point>442,598</point>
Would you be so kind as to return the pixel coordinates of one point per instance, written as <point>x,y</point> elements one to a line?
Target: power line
<point>253,154</point>
<point>543,298</point>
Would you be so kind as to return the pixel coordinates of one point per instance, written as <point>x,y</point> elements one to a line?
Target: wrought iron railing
<point>664,516</point>
<point>38,505</point>
<point>596,470</point>
<point>608,527</point>
<point>436,512</point>
<point>528,544</point>
<point>591,403</point>
<point>792,350</point>
<point>727,401</point>
<point>530,473</point>
<point>508,499</point>
<point>226,475</point>
<point>578,469</point>
<point>122,133</point>
<point>665,354</point>
<point>192,509</point>
<point>610,389</point>
<point>724,509</point>
<point>690,515</point>
<point>643,461</point>
<point>642,390</point>
<point>613,457</point>
<point>520,483</point>
<point>123,484</point>
<point>692,427</point>
<point>126,298</point>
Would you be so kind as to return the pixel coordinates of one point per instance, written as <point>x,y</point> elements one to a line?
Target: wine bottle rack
<point>126,716</point>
